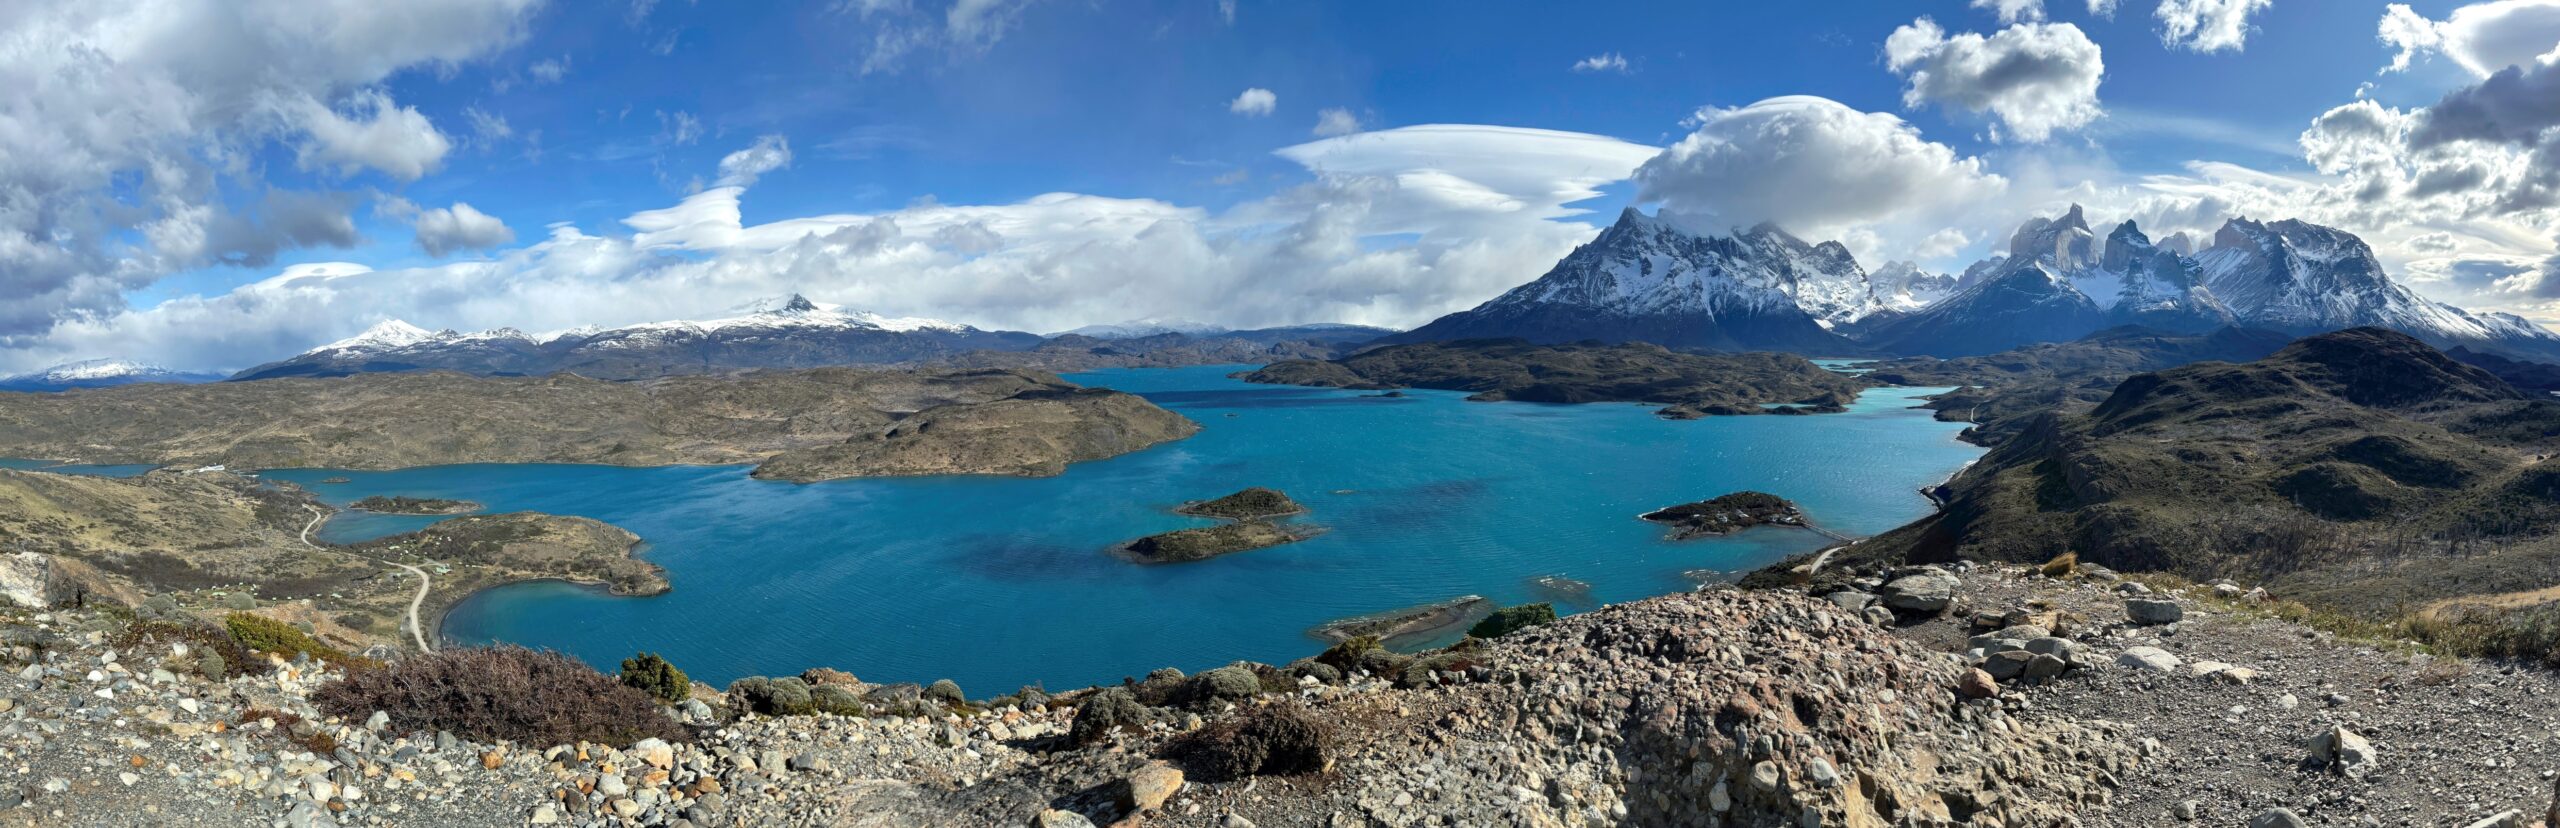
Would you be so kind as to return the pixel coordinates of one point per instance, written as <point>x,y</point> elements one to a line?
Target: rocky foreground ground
<point>1912,697</point>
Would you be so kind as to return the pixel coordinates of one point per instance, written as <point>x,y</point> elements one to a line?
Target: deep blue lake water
<point>998,582</point>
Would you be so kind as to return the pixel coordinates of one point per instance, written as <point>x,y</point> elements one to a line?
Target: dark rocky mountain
<point>2028,297</point>
<point>2360,469</point>
<point>1644,280</point>
<point>2004,391</point>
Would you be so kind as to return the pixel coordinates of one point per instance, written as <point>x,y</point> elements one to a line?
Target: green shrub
<point>267,635</point>
<point>1275,739</point>
<point>1224,684</point>
<point>772,696</point>
<point>1510,619</point>
<point>502,693</point>
<point>946,692</point>
<point>654,676</point>
<point>1346,655</point>
<point>837,699</point>
<point>1106,711</point>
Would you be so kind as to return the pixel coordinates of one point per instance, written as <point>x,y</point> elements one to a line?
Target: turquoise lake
<point>1000,582</point>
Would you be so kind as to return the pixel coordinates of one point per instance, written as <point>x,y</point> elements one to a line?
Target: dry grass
<point>502,693</point>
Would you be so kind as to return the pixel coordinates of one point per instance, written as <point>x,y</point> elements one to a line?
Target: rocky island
<point>1410,625</point>
<point>1726,514</point>
<point>802,426</point>
<point>1203,543</point>
<point>406,505</point>
<point>1256,503</point>
<point>1686,385</point>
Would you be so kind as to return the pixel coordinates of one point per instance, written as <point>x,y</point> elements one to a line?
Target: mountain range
<point>97,373</point>
<point>1645,279</point>
<point>791,333</point>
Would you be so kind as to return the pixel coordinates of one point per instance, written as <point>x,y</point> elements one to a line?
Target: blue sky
<point>927,124</point>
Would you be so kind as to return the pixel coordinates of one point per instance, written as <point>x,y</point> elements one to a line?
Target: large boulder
<point>1925,591</point>
<point>2147,611</point>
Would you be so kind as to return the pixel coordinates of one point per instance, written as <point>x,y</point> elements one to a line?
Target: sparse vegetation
<point>1256,503</point>
<point>267,635</point>
<point>1510,619</point>
<point>1278,739</point>
<point>786,696</point>
<point>653,675</point>
<point>511,693</point>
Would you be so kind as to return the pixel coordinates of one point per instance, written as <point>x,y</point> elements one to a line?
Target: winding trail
<point>417,631</point>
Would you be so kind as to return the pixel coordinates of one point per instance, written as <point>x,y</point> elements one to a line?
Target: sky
<point>212,184</point>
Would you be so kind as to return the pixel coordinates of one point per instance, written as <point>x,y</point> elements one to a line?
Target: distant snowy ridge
<point>94,373</point>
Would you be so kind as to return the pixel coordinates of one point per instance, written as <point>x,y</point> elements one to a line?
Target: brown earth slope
<point>806,425</point>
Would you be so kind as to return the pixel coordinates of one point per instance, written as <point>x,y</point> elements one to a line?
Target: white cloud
<point>446,230</point>
<point>391,138</point>
<point>549,71</point>
<point>1336,121</point>
<point>1471,211</point>
<point>1603,62</point>
<point>2481,37</point>
<point>127,126</point>
<point>2103,8</point>
<point>679,128</point>
<point>741,168</point>
<point>2013,11</point>
<point>2207,25</point>
<point>1255,102</point>
<point>1814,166</point>
<point>486,128</point>
<point>905,28</point>
<point>2037,78</point>
<point>1227,11</point>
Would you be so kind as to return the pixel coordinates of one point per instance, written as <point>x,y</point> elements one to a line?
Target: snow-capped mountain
<point>1643,279</point>
<point>1903,286</point>
<point>1142,328</point>
<point>97,373</point>
<point>787,333</point>
<point>2028,296</point>
<point>2139,283</point>
<point>2301,278</point>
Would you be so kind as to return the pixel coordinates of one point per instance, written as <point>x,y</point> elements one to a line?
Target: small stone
<point>1975,684</point>
<point>2184,811</point>
<point>492,759</point>
<point>2278,818</point>
<point>2148,658</point>
<point>545,814</point>
<point>377,722</point>
<point>656,752</point>
<point>1054,818</point>
<point>1764,776</point>
<point>2343,750</point>
<point>1148,787</point>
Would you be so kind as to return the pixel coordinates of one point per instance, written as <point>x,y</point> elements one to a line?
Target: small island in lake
<point>406,505</point>
<point>1248,513</point>
<point>1726,514</point>
<point>1409,625</point>
<point>1186,545</point>
<point>1256,503</point>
